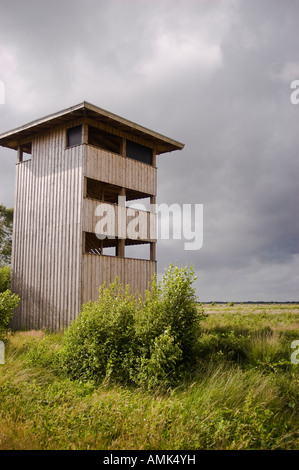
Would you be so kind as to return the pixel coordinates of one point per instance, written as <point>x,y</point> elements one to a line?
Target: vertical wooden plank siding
<point>99,269</point>
<point>129,174</point>
<point>47,239</point>
<point>120,171</point>
<point>49,272</point>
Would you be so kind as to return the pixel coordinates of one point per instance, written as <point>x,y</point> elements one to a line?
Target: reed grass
<point>228,403</point>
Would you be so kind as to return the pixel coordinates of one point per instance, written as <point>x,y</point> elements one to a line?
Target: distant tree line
<point>8,300</point>
<point>6,221</point>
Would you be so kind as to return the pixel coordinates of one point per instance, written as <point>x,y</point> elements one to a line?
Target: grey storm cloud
<point>213,75</point>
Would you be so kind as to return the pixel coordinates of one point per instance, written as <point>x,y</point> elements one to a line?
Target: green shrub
<point>8,302</point>
<point>169,320</point>
<point>146,342</point>
<point>4,278</point>
<point>97,343</point>
<point>160,365</point>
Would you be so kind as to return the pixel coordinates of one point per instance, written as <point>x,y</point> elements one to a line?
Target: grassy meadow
<point>243,394</point>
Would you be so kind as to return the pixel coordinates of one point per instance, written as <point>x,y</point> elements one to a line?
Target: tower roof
<point>162,143</point>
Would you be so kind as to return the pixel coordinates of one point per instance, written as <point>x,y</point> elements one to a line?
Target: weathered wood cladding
<point>120,171</point>
<point>124,222</point>
<point>47,241</point>
<point>55,219</point>
<point>99,269</point>
<point>50,216</point>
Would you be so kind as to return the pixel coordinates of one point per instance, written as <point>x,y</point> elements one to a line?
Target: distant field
<point>278,317</point>
<point>243,393</point>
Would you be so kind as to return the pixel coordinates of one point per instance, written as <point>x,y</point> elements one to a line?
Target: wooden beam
<point>152,244</point>
<point>123,147</point>
<point>20,153</point>
<point>85,187</point>
<point>83,243</point>
<point>153,251</point>
<point>84,133</point>
<point>154,157</point>
<point>120,247</point>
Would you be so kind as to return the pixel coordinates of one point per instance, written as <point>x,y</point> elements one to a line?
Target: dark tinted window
<point>74,136</point>
<point>139,152</point>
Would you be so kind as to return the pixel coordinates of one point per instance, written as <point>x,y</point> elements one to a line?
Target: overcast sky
<point>214,75</point>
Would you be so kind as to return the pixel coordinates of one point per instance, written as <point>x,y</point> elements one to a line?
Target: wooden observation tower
<point>75,172</point>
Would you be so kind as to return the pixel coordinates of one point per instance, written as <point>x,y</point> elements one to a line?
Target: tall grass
<point>232,401</point>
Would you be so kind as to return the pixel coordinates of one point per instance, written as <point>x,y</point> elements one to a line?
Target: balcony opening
<point>95,246</point>
<point>103,192</point>
<point>94,189</point>
<point>143,204</point>
<point>137,250</point>
<point>104,140</point>
<point>106,192</point>
<point>128,248</point>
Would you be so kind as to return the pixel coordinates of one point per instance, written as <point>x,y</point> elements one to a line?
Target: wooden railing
<point>118,221</point>
<point>120,171</point>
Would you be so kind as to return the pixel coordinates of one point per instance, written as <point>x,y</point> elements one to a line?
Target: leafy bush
<point>167,327</point>
<point>4,278</point>
<point>6,221</point>
<point>99,340</point>
<point>146,342</point>
<point>8,302</point>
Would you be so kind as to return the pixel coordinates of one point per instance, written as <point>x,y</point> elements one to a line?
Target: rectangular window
<point>139,152</point>
<point>74,136</point>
